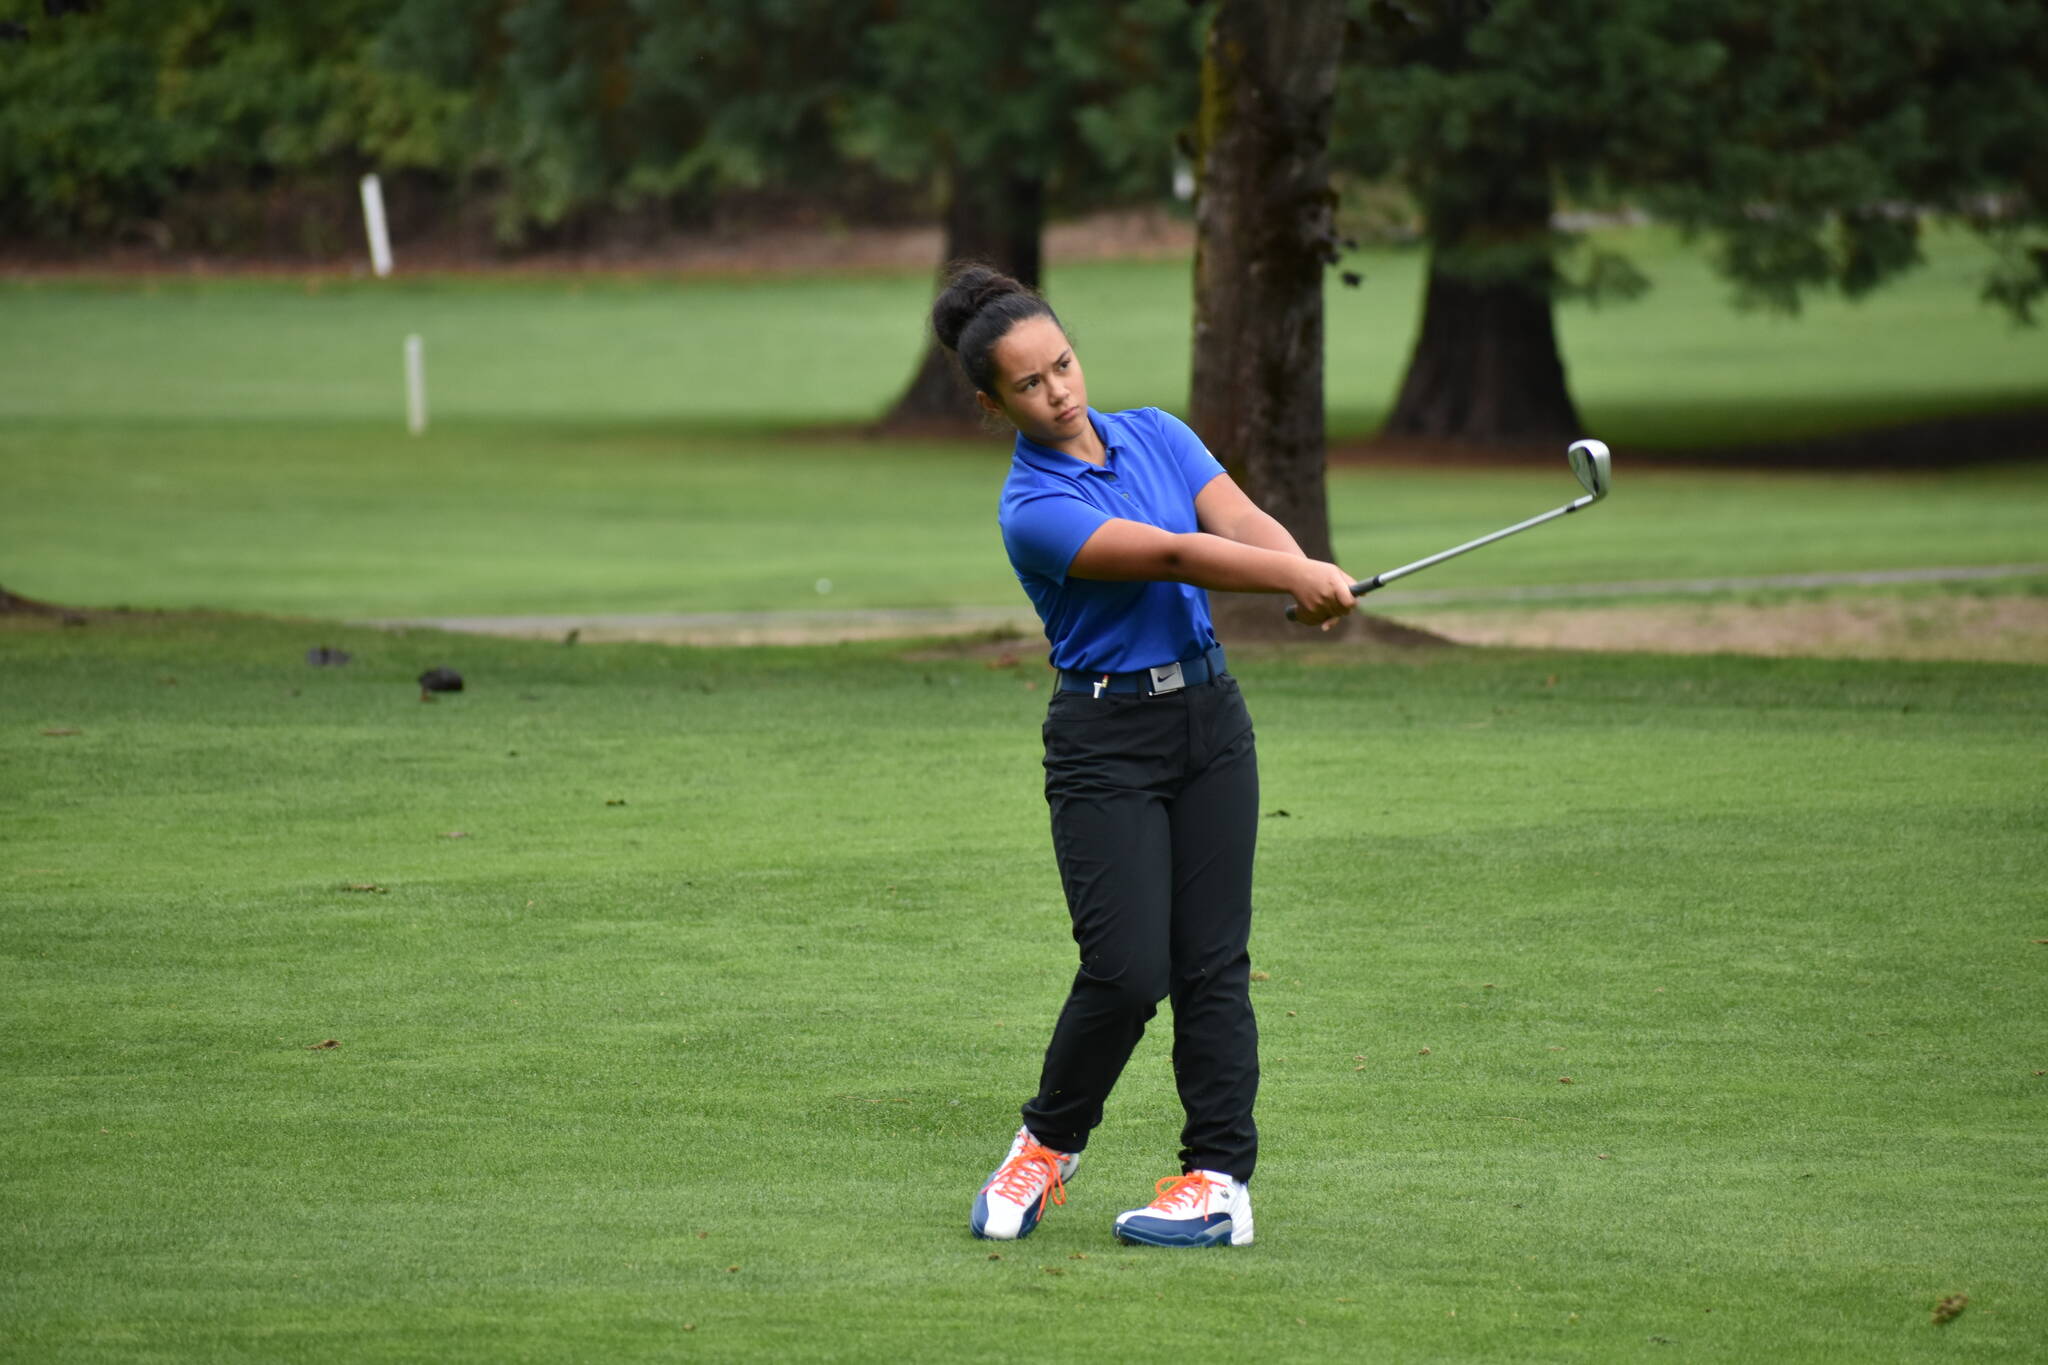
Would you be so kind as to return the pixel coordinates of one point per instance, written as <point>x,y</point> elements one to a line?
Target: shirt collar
<point>1059,462</point>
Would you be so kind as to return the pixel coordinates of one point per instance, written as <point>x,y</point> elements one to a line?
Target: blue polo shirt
<point>1052,503</point>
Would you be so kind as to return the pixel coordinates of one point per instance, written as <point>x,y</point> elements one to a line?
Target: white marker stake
<point>373,219</point>
<point>415,384</point>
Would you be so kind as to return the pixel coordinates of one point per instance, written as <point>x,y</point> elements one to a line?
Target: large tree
<point>1803,136</point>
<point>1264,242</point>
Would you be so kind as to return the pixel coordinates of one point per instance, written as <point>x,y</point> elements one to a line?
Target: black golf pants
<point>1155,808</point>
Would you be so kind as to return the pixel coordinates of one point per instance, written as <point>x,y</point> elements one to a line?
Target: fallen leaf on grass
<point>617,801</point>
<point>689,1327</point>
<point>363,886</point>
<point>1950,1308</point>
<point>732,1270</point>
<point>456,834</point>
<point>1423,1053</point>
<point>2038,940</point>
<point>1602,1156</point>
<point>1565,1080</point>
<point>702,1235</point>
<point>1077,1256</point>
<point>1053,1269</point>
<point>1261,976</point>
<point>1290,1014</point>
<point>1278,815</point>
<point>59,734</point>
<point>995,1255</point>
<point>323,1043</point>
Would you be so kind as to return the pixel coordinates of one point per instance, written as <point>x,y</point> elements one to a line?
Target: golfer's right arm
<point>1131,550</point>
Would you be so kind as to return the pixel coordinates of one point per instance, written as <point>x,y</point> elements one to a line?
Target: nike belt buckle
<point>1167,679</point>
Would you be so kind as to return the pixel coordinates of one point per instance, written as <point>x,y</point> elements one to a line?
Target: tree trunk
<point>995,217</point>
<point>1263,237</point>
<point>1486,365</point>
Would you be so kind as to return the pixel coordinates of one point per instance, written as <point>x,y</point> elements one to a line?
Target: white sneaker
<point>1199,1209</point>
<point>1014,1198</point>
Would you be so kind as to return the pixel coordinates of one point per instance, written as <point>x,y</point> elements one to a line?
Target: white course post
<point>415,384</point>
<point>373,220</point>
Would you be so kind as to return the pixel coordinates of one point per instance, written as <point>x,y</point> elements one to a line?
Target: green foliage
<point>746,96</point>
<point>177,119</point>
<point>1085,95</point>
<point>1833,128</point>
<point>1489,110</point>
<point>1806,139</point>
<point>557,114</point>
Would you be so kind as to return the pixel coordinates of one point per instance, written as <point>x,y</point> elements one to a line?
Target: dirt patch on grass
<point>2000,629</point>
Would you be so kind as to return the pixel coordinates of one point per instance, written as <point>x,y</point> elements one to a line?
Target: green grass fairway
<point>329,521</point>
<point>1679,367</point>
<point>698,1044</point>
<point>652,446</point>
<point>620,445</point>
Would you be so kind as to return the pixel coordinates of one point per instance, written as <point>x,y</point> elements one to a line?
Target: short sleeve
<point>1197,466</point>
<point>1043,531</point>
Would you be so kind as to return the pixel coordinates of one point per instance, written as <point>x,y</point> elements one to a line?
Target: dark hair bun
<point>968,290</point>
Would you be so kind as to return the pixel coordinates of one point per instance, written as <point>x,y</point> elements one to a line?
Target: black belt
<point>1149,682</point>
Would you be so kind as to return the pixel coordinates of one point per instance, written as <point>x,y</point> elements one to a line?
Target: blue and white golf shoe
<point>1199,1209</point>
<point>1014,1198</point>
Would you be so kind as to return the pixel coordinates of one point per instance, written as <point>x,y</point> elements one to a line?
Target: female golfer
<point>1115,523</point>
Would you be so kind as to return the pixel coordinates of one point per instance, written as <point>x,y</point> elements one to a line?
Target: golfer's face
<point>1038,382</point>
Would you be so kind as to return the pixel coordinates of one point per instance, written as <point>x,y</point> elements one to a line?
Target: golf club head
<point>1589,462</point>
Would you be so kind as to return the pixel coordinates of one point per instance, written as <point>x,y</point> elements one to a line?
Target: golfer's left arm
<point>1222,509</point>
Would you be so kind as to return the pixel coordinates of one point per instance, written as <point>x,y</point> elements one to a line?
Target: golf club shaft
<point>1381,580</point>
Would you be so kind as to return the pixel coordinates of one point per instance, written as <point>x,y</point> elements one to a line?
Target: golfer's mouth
<point>1068,414</point>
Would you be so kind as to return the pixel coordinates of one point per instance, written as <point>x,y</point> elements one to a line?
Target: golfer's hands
<point>1322,594</point>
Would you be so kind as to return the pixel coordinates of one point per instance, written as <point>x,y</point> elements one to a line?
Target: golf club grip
<point>1357,590</point>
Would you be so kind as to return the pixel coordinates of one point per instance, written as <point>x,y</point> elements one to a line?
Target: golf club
<point>1589,460</point>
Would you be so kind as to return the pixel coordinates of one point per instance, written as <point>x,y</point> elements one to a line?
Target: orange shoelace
<point>1023,1173</point>
<point>1175,1190</point>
